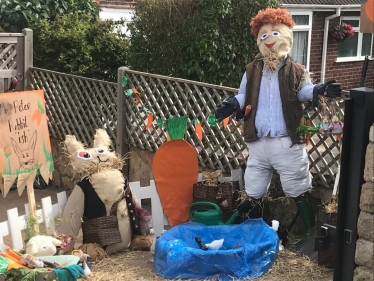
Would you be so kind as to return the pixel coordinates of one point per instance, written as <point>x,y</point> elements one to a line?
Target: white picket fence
<point>15,224</point>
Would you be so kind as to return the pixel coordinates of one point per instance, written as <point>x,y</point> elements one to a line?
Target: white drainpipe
<point>325,38</point>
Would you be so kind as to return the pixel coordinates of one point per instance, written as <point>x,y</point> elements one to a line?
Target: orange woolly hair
<point>270,16</point>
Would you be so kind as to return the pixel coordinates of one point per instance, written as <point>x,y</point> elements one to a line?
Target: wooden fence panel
<point>78,105</point>
<point>16,57</point>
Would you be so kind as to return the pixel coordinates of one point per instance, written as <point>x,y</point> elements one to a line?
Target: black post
<point>358,118</point>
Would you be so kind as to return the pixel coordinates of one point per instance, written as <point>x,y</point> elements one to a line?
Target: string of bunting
<point>328,125</point>
<point>212,120</point>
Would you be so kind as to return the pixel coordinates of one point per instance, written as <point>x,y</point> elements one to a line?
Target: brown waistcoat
<point>290,78</point>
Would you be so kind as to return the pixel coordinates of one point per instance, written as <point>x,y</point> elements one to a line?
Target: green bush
<point>76,44</point>
<point>203,40</point>
<point>16,15</point>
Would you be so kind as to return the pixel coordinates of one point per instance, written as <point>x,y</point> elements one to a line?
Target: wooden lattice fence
<point>324,151</point>
<point>16,57</point>
<point>78,105</point>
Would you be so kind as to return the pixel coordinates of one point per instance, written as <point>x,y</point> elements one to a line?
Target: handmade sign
<point>367,16</point>
<point>175,169</point>
<point>25,148</point>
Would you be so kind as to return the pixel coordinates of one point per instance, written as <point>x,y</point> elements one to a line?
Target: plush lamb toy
<point>41,245</point>
<point>101,195</point>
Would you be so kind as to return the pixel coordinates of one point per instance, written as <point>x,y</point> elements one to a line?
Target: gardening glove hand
<point>230,105</point>
<point>330,89</point>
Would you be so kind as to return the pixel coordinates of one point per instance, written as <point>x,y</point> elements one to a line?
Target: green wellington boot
<point>305,208</point>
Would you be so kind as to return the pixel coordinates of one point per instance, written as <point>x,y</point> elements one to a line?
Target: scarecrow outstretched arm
<point>306,91</point>
<point>73,213</point>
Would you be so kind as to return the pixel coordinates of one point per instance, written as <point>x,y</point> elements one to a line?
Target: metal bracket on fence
<point>328,236</point>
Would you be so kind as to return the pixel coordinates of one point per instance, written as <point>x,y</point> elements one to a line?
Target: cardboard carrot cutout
<point>175,170</point>
<point>149,120</point>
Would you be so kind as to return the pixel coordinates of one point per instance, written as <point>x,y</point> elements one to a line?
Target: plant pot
<point>341,39</point>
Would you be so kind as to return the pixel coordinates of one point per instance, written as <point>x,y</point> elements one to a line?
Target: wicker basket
<point>103,230</point>
<point>225,195</point>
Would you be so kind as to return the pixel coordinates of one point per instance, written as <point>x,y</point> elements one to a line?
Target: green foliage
<point>16,15</point>
<point>77,45</point>
<point>31,223</point>
<point>22,274</point>
<point>203,40</point>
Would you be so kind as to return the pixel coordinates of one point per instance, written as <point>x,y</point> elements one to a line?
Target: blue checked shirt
<point>269,116</point>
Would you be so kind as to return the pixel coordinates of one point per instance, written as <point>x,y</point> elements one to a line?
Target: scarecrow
<point>270,99</point>
<point>101,203</point>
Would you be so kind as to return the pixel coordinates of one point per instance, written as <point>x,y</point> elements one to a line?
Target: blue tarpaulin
<point>177,254</point>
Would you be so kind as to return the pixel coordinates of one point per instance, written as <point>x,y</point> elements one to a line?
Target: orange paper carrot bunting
<point>199,131</point>
<point>150,120</point>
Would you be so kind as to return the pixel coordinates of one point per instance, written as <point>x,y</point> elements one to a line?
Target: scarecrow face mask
<point>275,40</point>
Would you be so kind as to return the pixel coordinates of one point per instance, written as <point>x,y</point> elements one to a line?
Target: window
<point>301,37</point>
<point>355,47</point>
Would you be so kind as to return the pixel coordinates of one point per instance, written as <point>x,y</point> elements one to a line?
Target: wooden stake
<point>32,205</point>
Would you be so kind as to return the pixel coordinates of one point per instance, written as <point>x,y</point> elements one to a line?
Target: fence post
<point>61,202</point>
<point>122,147</point>
<point>358,119</point>
<point>157,210</point>
<point>20,60</point>
<point>48,214</point>
<point>15,229</point>
<point>28,56</point>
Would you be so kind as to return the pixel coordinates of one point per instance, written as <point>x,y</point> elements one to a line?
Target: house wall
<point>346,73</point>
<point>118,4</point>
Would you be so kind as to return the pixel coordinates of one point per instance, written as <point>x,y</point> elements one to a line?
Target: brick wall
<point>117,4</point>
<point>346,73</point>
<point>365,225</point>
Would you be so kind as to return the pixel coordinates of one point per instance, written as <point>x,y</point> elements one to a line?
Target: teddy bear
<point>41,245</point>
<point>101,203</point>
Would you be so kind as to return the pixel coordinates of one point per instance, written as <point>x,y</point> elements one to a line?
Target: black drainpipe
<point>358,118</point>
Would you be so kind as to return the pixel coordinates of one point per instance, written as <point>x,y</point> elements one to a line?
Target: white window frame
<point>359,46</point>
<point>307,27</point>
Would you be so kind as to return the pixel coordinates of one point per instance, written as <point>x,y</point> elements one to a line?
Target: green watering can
<point>209,216</point>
